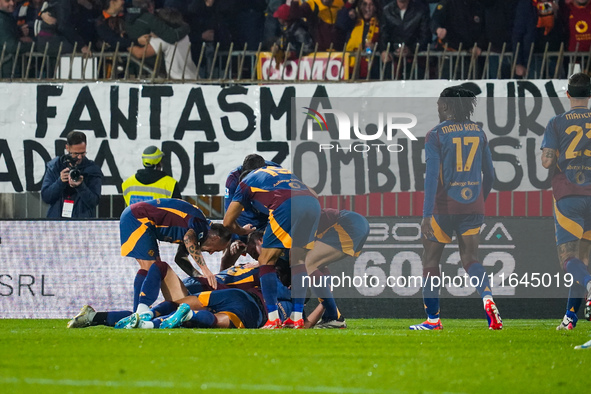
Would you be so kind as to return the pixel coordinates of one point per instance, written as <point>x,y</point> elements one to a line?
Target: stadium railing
<point>243,66</point>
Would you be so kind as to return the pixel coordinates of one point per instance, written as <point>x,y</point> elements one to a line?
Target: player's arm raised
<point>190,241</point>
<point>548,157</point>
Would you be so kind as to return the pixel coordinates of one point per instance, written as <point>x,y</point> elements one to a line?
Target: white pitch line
<point>205,386</point>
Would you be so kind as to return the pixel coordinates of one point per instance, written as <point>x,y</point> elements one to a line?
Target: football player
<point>458,179</point>
<point>566,150</point>
<point>293,211</point>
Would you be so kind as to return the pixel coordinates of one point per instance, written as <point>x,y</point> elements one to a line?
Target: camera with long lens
<point>70,161</point>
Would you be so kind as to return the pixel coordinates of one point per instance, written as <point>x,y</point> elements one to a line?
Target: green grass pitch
<point>371,356</point>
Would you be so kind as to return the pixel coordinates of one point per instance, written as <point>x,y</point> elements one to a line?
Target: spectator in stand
<point>211,26</point>
<point>26,15</point>
<point>174,55</point>
<point>499,16</point>
<point>248,24</point>
<point>293,33</point>
<point>141,20</point>
<point>542,23</point>
<point>362,27</point>
<point>75,22</point>
<point>321,16</point>
<point>404,22</point>
<point>579,25</point>
<point>110,27</point>
<point>9,36</point>
<point>456,22</point>
<point>272,28</point>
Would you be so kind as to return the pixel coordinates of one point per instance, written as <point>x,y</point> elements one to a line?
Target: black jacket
<point>463,20</point>
<point>9,34</point>
<point>413,29</point>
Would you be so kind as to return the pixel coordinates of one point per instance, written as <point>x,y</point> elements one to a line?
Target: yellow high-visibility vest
<point>134,191</point>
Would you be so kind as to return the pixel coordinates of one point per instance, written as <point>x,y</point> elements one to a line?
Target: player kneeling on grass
<point>458,179</point>
<point>340,234</point>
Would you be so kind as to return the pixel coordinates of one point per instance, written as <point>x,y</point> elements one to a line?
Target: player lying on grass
<point>566,150</point>
<point>225,308</point>
<point>458,178</point>
<point>161,277</point>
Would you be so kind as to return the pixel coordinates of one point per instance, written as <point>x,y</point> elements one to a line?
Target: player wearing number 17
<point>458,179</point>
<point>566,149</point>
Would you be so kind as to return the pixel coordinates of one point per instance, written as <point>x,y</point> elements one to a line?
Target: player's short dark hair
<point>221,231</point>
<point>75,138</point>
<point>460,102</point>
<point>253,162</point>
<point>579,86</point>
<point>255,236</point>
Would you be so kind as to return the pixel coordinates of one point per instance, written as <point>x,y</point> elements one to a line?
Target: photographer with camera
<point>72,182</point>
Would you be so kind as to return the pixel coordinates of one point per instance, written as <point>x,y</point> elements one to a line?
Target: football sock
<point>268,278</point>
<point>321,286</point>
<point>578,270</point>
<point>477,271</point>
<point>151,285</point>
<point>137,286</point>
<point>203,319</point>
<point>147,324</point>
<point>156,322</point>
<point>273,315</point>
<point>109,318</point>
<point>298,289</point>
<point>164,308</point>
<point>576,293</point>
<point>431,293</point>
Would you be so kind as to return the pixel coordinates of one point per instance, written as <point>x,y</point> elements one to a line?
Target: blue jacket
<point>86,196</point>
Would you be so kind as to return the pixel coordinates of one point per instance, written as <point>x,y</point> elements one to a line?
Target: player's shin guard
<point>137,286</point>
<point>151,286</point>
<point>477,271</point>
<point>299,287</point>
<point>431,285</point>
<point>321,287</point>
<point>268,278</point>
<point>578,270</point>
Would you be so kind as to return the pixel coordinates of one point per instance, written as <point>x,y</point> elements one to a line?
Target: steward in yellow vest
<point>150,182</point>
